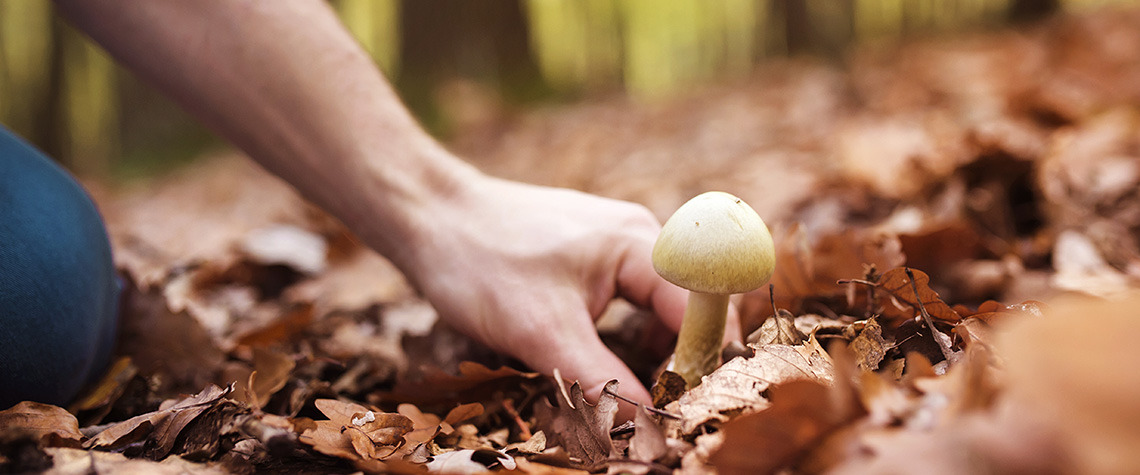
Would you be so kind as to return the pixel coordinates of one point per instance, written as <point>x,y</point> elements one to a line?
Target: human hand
<point>527,269</point>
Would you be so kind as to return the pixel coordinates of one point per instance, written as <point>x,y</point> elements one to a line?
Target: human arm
<point>522,268</point>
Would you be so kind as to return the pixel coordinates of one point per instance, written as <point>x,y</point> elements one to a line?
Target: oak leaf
<point>740,385</point>
<point>583,430</point>
<point>355,432</point>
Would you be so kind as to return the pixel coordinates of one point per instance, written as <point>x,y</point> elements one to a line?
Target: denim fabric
<point>58,288</point>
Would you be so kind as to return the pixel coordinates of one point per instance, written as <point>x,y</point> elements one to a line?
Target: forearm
<point>286,83</point>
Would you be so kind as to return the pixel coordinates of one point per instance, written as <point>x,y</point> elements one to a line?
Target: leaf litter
<point>942,181</point>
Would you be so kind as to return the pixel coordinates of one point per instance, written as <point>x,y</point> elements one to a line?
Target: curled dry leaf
<point>869,346</point>
<point>355,432</point>
<point>740,385</point>
<point>583,430</point>
<point>163,426</point>
<point>50,425</point>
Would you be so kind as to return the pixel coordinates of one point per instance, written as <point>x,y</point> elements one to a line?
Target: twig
<point>524,430</point>
<point>946,353</point>
<point>776,313</point>
<point>856,281</point>
<point>651,409</point>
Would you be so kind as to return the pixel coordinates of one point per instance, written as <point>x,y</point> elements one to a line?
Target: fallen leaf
<point>271,371</point>
<point>898,285</point>
<point>49,425</point>
<point>869,346</point>
<point>802,413</point>
<point>73,461</point>
<point>463,412</point>
<point>355,432</point>
<point>438,386</point>
<point>470,462</point>
<point>648,442</point>
<point>740,385</point>
<point>670,386</point>
<point>779,329</point>
<point>583,430</point>
<point>536,444</point>
<point>162,426</point>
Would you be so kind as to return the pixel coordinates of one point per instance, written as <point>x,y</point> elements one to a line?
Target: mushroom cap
<point>715,243</point>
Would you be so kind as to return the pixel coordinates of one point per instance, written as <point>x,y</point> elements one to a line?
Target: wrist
<point>396,206</point>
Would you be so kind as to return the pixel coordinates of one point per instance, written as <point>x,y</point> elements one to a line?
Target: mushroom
<point>714,245</point>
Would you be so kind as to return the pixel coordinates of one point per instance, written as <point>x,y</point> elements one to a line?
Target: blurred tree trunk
<point>26,46</point>
<point>89,105</point>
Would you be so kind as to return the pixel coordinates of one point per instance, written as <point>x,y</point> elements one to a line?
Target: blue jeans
<point>58,289</point>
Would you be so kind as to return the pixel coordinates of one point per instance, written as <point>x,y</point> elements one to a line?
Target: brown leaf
<point>44,423</point>
<point>581,429</point>
<point>869,346</point>
<point>100,398</point>
<point>74,461</point>
<point>669,387</point>
<point>437,386</point>
<point>648,442</point>
<point>802,413</point>
<point>163,426</point>
<point>808,267</point>
<point>270,372</point>
<point>896,282</point>
<point>353,431</point>
<point>536,468</point>
<point>1075,381</point>
<point>779,329</point>
<point>172,345</point>
<point>739,385</point>
<point>536,444</point>
<point>463,412</point>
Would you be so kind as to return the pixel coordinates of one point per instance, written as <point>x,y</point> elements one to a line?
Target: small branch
<point>856,281</point>
<point>946,353</point>
<point>651,409</point>
<point>524,430</point>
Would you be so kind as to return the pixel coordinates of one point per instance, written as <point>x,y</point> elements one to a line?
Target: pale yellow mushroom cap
<point>715,243</point>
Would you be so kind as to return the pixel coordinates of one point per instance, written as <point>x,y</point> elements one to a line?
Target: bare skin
<point>522,268</point>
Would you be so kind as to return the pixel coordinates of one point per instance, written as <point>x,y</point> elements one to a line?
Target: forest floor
<point>986,185</point>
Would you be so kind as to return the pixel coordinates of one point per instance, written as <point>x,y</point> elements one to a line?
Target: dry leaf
<point>739,385</point>
<point>802,413</point>
<point>809,266</point>
<point>470,462</point>
<point>536,444</point>
<point>779,329</point>
<point>437,386</point>
<point>583,430</point>
<point>162,426</point>
<point>898,285</point>
<point>47,424</point>
<point>463,412</point>
<point>77,462</point>
<point>670,386</point>
<point>869,346</point>
<point>355,432</point>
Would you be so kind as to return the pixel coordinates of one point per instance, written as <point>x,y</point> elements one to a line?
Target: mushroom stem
<point>701,335</point>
